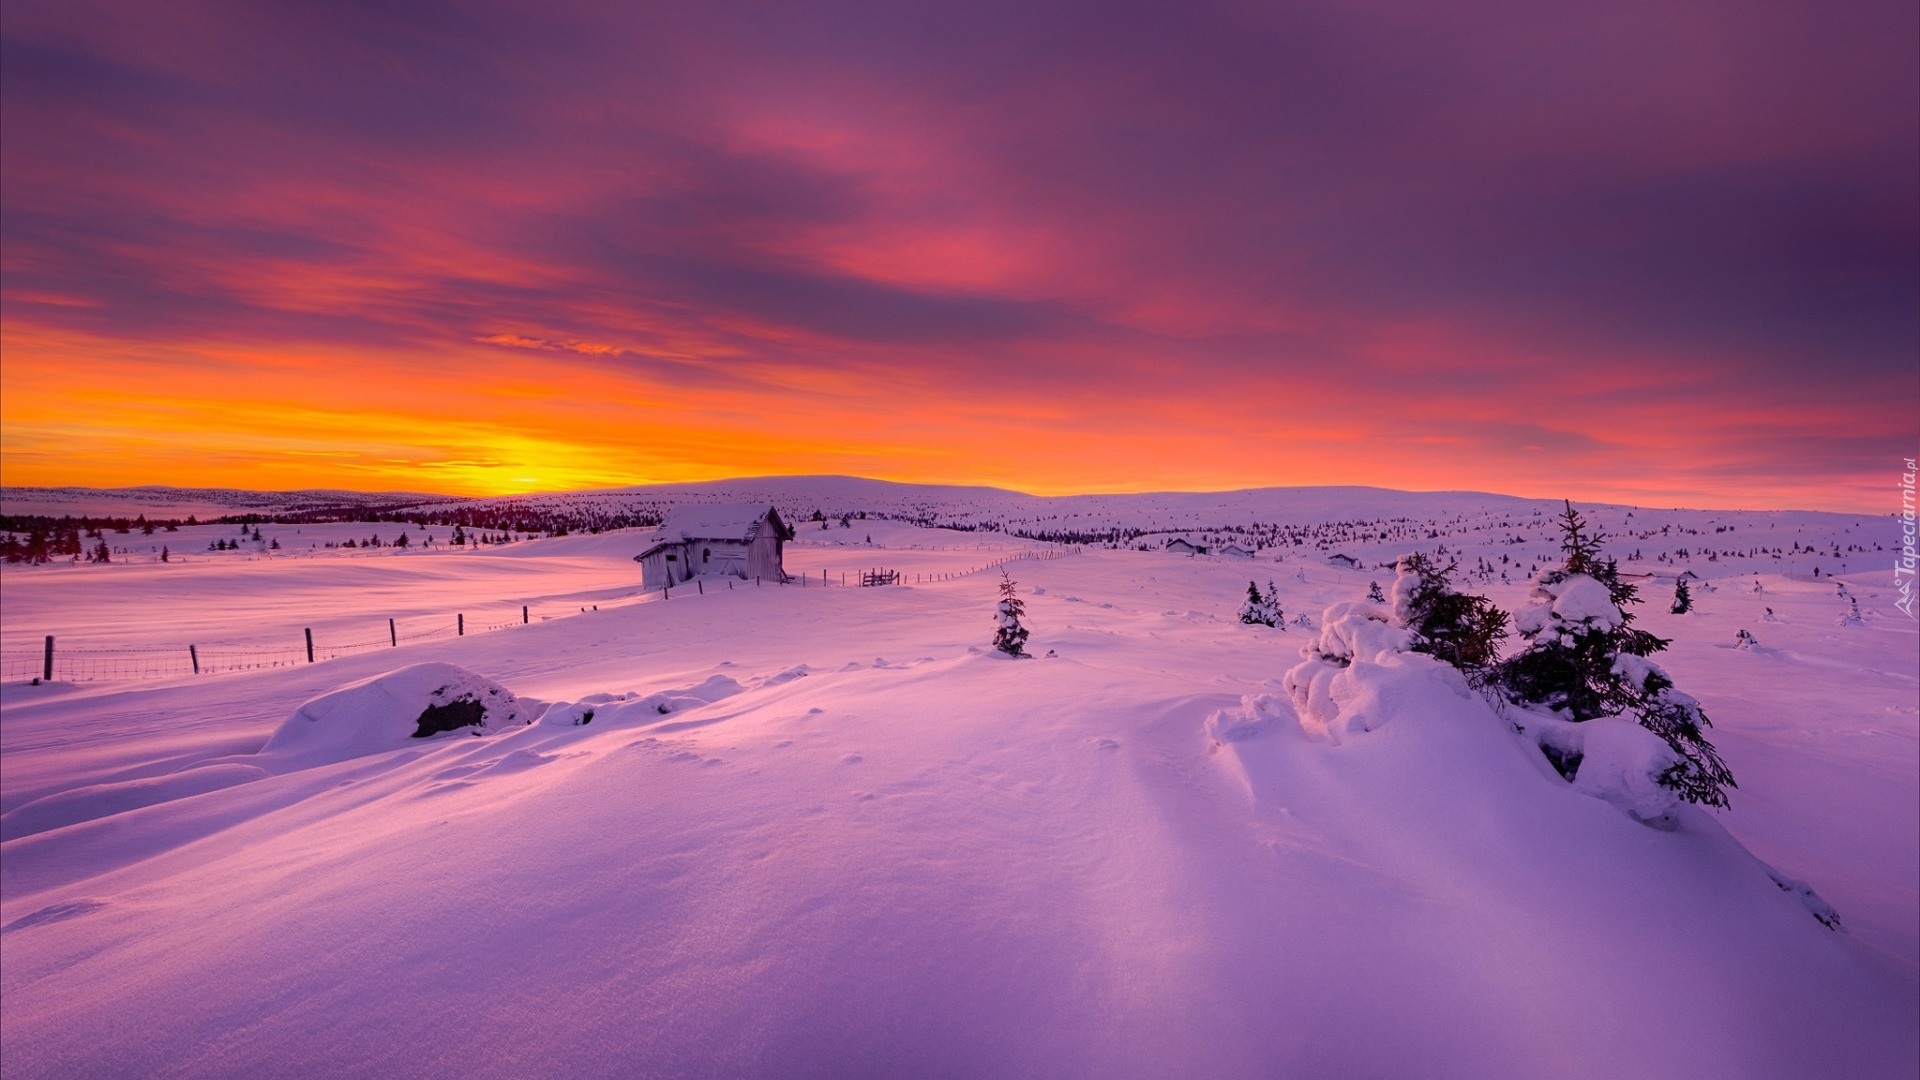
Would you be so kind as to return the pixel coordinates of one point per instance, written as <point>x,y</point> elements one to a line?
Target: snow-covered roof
<point>716,521</point>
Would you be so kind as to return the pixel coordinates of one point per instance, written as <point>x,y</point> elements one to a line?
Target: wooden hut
<point>745,540</point>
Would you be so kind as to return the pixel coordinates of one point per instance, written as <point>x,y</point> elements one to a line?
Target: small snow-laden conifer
<point>1260,610</point>
<point>1252,609</point>
<point>1584,660</point>
<point>1456,628</point>
<point>1374,594</point>
<point>1010,637</point>
<point>1682,598</point>
<point>1852,617</point>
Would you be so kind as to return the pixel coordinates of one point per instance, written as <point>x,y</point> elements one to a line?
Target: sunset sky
<point>1664,251</point>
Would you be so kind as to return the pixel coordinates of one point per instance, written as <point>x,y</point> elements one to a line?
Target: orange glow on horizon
<point>292,419</point>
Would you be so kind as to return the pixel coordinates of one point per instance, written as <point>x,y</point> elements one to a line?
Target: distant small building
<point>745,540</point>
<point>1235,551</point>
<point>1344,560</point>
<point>1182,546</point>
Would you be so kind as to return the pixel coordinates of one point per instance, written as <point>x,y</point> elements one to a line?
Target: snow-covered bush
<point>1257,715</point>
<point>1324,687</point>
<point>1010,637</point>
<point>1585,661</point>
<point>1682,599</point>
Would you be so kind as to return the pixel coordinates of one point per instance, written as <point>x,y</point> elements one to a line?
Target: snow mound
<point>571,714</point>
<point>629,709</point>
<point>1257,715</point>
<point>1621,763</point>
<point>104,800</point>
<point>390,711</point>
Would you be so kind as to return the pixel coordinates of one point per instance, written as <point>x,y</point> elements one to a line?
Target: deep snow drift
<point>829,832</point>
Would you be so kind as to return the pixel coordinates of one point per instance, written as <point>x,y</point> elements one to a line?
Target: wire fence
<point>90,664</point>
<point>87,664</point>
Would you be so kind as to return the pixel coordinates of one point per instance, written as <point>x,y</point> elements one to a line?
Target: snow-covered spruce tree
<point>1457,628</point>
<point>1584,660</point>
<point>1252,609</point>
<point>1011,637</point>
<point>1260,610</point>
<point>1374,594</point>
<point>1682,598</point>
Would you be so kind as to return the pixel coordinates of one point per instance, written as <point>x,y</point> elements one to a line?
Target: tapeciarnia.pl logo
<point>1903,567</point>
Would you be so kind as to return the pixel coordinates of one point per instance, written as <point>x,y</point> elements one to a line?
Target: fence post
<point>46,672</point>
<point>523,614</point>
<point>460,625</point>
<point>309,644</point>
<point>393,634</point>
<point>700,585</point>
<point>194,651</point>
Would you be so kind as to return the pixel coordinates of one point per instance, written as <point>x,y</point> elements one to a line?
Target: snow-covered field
<point>827,832</point>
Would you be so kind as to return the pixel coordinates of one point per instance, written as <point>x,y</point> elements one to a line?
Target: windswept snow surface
<point>826,832</point>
